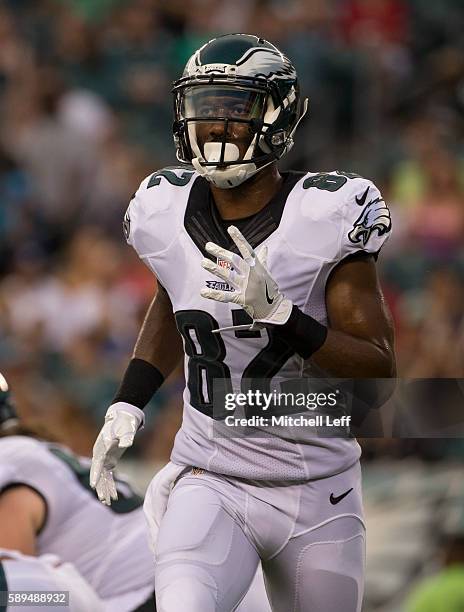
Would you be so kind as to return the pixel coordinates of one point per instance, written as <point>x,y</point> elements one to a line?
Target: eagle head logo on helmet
<point>262,83</point>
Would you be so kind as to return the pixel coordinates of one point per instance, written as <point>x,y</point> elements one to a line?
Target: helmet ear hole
<point>278,138</point>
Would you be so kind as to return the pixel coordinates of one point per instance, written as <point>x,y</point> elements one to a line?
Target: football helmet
<point>242,79</point>
<point>8,415</point>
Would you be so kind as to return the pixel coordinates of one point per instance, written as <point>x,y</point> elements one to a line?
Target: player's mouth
<point>234,150</point>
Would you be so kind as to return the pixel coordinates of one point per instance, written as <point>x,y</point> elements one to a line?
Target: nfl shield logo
<point>222,263</point>
<point>220,285</point>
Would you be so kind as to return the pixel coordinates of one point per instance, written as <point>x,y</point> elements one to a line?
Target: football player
<point>265,278</point>
<point>44,581</point>
<point>48,511</point>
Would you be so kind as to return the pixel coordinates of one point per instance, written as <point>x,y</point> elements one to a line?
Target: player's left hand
<point>254,288</point>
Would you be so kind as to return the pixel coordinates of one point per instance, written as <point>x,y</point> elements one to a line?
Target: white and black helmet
<point>261,88</point>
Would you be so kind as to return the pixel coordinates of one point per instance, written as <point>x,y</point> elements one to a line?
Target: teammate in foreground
<point>269,277</point>
<point>56,536</point>
<point>55,533</point>
<point>28,582</point>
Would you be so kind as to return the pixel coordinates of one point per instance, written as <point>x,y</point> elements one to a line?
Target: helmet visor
<point>222,102</point>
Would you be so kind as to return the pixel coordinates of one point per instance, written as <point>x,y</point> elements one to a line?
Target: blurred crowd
<point>86,114</point>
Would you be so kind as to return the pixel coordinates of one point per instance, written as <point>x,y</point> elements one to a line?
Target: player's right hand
<point>121,424</point>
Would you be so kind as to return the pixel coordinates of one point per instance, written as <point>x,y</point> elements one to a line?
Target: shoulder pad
<point>145,225</point>
<point>23,460</point>
<point>356,204</point>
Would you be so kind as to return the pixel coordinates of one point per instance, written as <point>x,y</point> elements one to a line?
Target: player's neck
<point>250,197</point>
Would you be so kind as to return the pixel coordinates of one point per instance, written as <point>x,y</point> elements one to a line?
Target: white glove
<point>255,289</point>
<point>121,424</point>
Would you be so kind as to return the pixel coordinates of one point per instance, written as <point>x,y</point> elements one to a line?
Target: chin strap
<point>226,178</point>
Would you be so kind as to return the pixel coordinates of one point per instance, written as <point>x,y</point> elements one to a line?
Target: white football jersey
<point>49,579</point>
<point>314,222</point>
<point>101,542</point>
